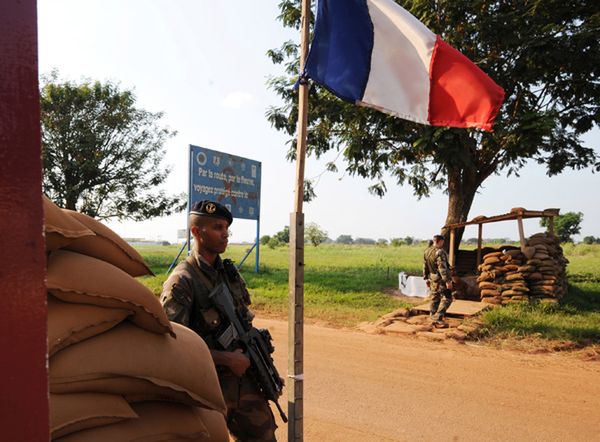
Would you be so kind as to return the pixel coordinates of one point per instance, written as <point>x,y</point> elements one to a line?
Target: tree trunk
<point>462,186</point>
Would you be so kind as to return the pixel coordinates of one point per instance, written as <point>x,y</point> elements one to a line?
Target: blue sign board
<point>230,180</point>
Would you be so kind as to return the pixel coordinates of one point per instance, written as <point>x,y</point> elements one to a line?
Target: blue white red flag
<point>375,53</point>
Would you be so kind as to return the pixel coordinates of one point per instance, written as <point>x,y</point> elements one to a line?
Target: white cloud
<point>236,100</point>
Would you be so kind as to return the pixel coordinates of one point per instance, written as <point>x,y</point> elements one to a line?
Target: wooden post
<point>452,254</point>
<point>479,241</point>
<point>521,233</point>
<point>296,330</point>
<point>551,226</point>
<point>23,328</point>
<point>295,384</point>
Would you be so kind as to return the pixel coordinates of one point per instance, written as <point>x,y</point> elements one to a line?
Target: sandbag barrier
<point>511,276</point>
<point>118,369</point>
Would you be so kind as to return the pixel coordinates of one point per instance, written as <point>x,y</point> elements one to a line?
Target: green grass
<point>345,285</point>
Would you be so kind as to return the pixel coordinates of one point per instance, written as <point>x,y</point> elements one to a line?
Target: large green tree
<point>102,153</point>
<point>544,53</point>
<point>566,225</point>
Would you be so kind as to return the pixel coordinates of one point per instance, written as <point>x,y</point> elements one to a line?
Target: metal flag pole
<point>296,267</point>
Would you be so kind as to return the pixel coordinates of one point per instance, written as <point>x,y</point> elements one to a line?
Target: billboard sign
<point>228,179</point>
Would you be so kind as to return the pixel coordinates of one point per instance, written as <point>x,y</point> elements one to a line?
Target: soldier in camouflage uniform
<point>437,275</point>
<point>185,300</point>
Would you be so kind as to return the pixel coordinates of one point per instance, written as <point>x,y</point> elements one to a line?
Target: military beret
<point>212,209</point>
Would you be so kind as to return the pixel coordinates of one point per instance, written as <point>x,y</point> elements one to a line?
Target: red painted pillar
<point>23,372</point>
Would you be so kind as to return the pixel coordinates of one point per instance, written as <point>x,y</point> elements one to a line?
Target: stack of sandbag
<point>119,370</point>
<point>503,277</point>
<point>549,283</point>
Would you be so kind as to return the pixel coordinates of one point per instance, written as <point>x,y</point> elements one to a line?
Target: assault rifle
<point>256,344</point>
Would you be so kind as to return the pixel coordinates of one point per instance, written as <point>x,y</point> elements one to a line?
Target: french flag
<point>375,53</point>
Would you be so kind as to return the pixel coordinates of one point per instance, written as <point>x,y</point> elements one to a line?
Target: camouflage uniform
<point>436,271</point>
<point>185,300</point>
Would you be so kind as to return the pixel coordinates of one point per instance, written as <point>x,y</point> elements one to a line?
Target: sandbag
<point>71,323</point>
<point>491,260</point>
<point>157,422</point>
<point>526,269</point>
<point>108,246</point>
<point>75,412</point>
<point>510,267</point>
<point>488,285</point>
<point>536,276</point>
<point>182,366</point>
<point>492,255</point>
<point>512,252</point>
<point>77,278</point>
<point>61,229</point>
<point>514,276</point>
<point>215,424</point>
<point>487,292</point>
<point>490,300</point>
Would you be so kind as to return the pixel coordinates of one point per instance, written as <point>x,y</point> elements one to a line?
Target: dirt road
<point>361,387</point>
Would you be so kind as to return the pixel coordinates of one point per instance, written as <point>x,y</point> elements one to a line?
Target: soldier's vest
<point>431,263</point>
<point>205,319</point>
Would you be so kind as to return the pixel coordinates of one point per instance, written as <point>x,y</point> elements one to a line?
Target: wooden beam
<point>551,225</point>
<point>452,240</point>
<point>479,241</point>
<point>521,233</point>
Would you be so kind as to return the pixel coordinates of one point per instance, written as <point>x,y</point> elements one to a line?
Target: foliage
<point>546,56</point>
<point>102,153</point>
<point>565,225</point>
<point>274,242</point>
<point>591,240</point>
<point>382,242</point>
<point>283,236</point>
<point>364,241</point>
<point>344,239</point>
<point>409,240</point>
<point>264,240</point>
<point>314,234</point>
<point>396,242</point>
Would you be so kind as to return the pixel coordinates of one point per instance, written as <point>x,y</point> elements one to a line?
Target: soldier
<point>185,300</point>
<point>437,275</point>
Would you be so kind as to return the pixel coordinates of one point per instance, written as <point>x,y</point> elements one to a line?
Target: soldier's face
<point>212,235</point>
<point>439,244</point>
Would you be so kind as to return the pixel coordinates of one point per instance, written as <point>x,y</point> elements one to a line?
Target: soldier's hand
<point>449,285</point>
<point>238,362</point>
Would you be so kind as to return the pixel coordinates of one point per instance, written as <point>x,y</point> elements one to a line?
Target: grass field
<point>345,285</point>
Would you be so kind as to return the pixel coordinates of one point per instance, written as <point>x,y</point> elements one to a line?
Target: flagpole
<point>296,268</point>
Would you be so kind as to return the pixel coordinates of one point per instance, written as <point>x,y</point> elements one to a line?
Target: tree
<point>264,240</point>
<point>546,56</point>
<point>283,236</point>
<point>344,239</point>
<point>382,242</point>
<point>590,240</point>
<point>409,240</point>
<point>102,153</point>
<point>314,234</point>
<point>396,242</point>
<point>565,225</point>
<point>364,241</point>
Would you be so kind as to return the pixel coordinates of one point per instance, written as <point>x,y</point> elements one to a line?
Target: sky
<point>203,63</point>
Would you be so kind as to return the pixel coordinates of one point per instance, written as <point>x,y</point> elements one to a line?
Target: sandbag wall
<point>550,283</point>
<point>119,370</point>
<point>503,277</point>
<point>537,274</point>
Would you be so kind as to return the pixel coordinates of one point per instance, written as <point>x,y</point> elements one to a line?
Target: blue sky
<point>204,64</point>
